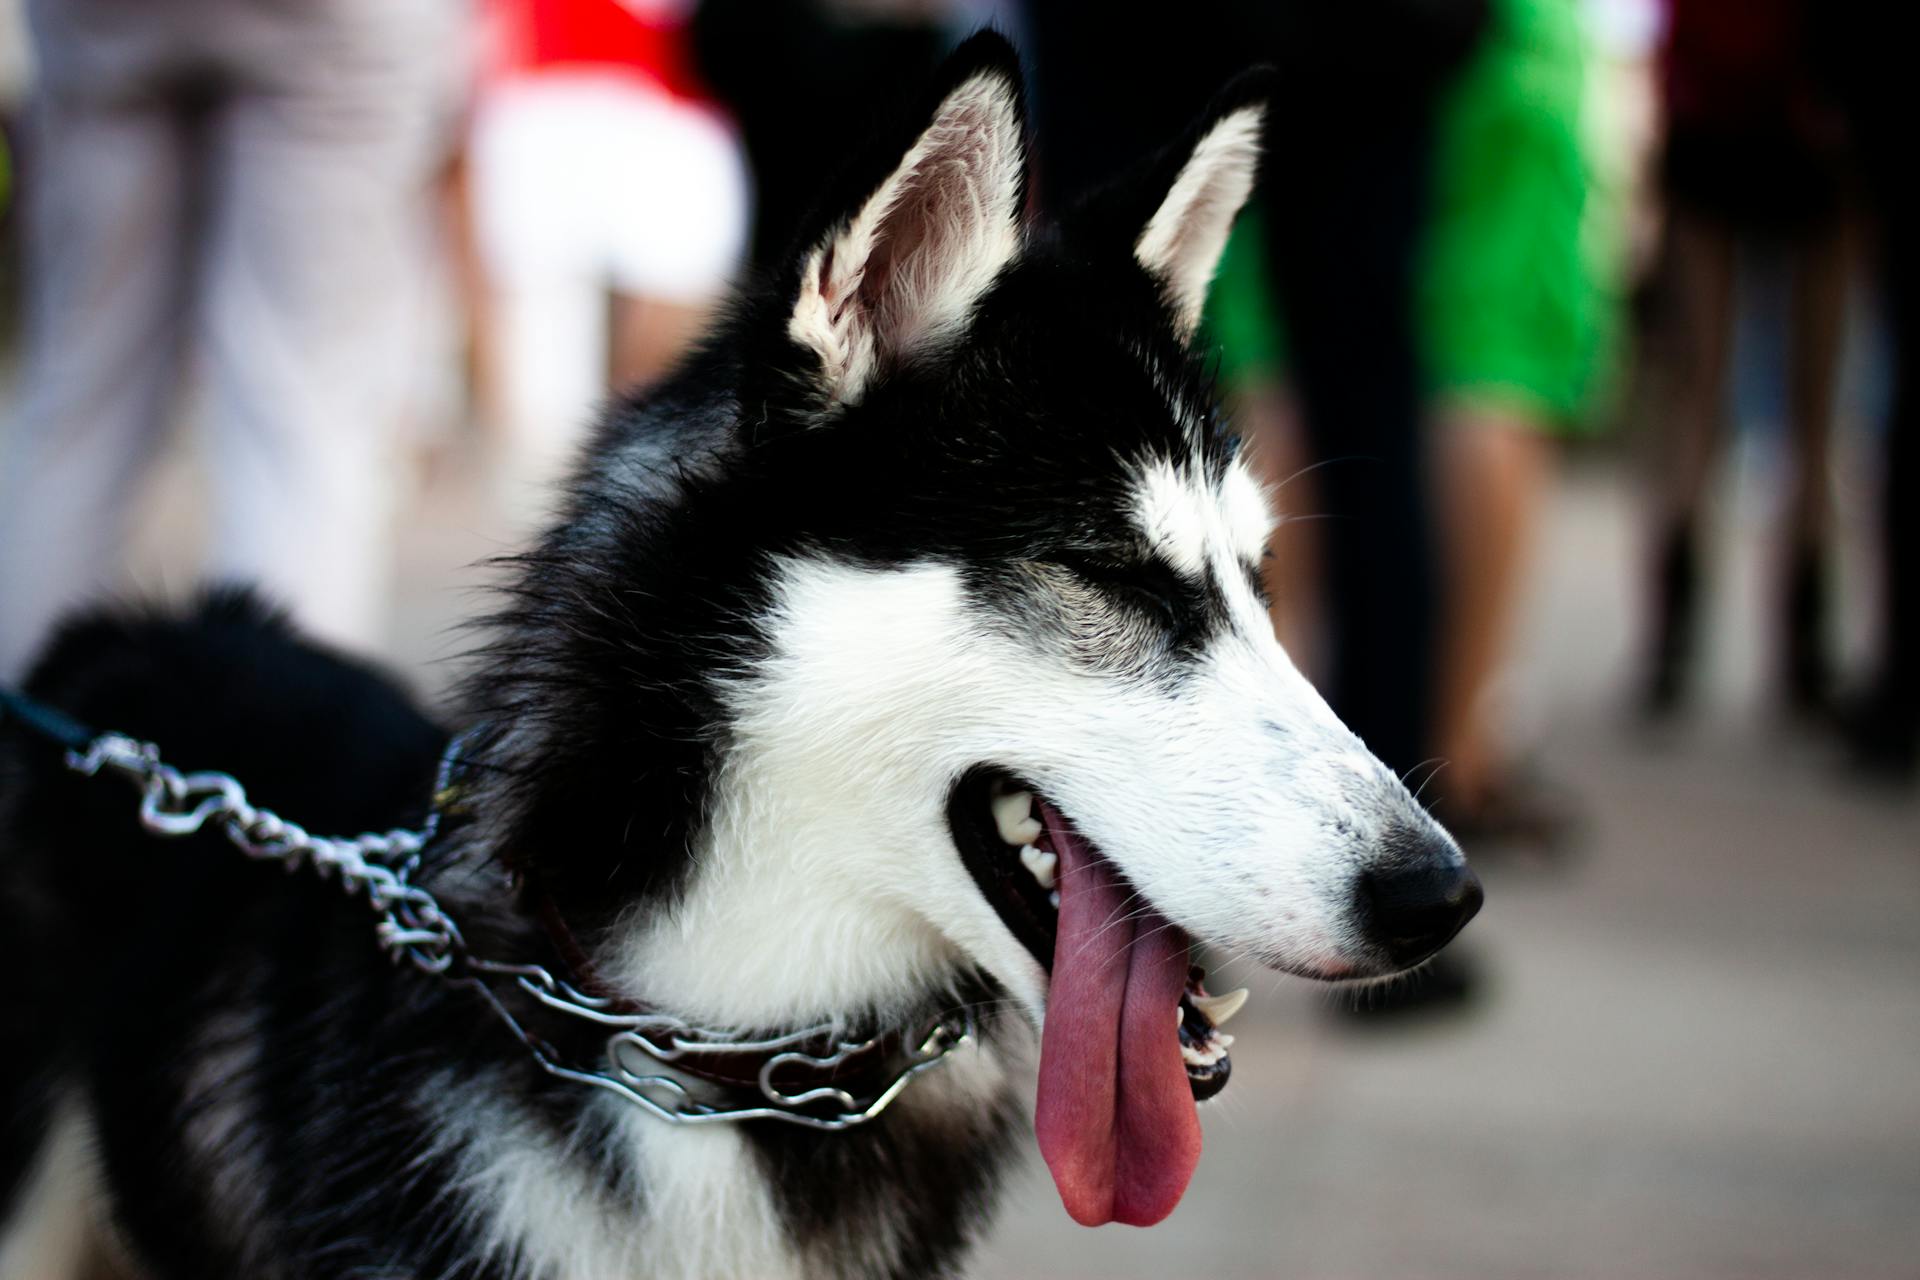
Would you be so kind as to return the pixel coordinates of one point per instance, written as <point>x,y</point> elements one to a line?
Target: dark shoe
<point>1807,675</point>
<point>1881,726</point>
<point>1522,818</point>
<point>1676,606</point>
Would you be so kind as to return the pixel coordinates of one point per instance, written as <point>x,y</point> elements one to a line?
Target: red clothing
<point>650,41</point>
<point>1739,64</point>
<point>1755,136</point>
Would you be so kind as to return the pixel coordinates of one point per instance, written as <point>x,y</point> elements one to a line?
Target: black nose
<point>1414,909</point>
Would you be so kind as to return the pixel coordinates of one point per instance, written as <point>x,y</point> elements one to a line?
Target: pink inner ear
<point>932,209</point>
<point>836,305</point>
<point>928,243</point>
<point>1183,241</point>
<point>900,234</point>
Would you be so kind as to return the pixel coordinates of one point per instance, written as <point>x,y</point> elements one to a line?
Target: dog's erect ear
<point>1178,208</point>
<point>901,271</point>
<point>1183,240</point>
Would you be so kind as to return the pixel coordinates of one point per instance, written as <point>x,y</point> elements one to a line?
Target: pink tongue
<point>1115,1114</point>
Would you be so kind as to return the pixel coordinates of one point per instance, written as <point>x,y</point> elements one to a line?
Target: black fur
<point>136,948</point>
<point>598,728</point>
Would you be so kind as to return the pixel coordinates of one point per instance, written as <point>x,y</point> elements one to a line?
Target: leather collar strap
<point>796,1069</point>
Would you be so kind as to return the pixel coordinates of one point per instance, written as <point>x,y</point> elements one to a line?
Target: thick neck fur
<point>771,933</point>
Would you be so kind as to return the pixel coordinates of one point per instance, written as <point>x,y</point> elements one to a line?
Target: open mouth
<point>1115,1112</point>
<point>1008,836</point>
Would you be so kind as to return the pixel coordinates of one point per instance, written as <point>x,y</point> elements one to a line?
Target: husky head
<point>914,633</point>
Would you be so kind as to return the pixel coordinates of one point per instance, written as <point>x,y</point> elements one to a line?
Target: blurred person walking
<point>1336,242</point>
<point>610,207</point>
<point>242,182</point>
<point>1755,152</point>
<point>1344,198</point>
<point>1870,68</point>
<point>1516,315</point>
<point>1504,263</point>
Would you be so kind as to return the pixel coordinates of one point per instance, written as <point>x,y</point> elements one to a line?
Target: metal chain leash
<point>376,864</point>
<point>413,928</point>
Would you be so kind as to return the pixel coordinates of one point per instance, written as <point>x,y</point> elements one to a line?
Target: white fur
<point>56,1230</point>
<point>936,233</point>
<point>1174,524</point>
<point>841,768</point>
<point>1182,242</point>
<point>218,1127</point>
<point>705,1210</point>
<point>1248,515</point>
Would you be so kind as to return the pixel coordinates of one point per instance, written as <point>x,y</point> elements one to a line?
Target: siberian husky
<point>900,664</point>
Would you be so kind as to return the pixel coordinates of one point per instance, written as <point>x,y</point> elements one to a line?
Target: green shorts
<point>1513,299</point>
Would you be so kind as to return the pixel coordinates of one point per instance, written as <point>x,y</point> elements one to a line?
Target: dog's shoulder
<point>228,683</point>
<point>280,1057</point>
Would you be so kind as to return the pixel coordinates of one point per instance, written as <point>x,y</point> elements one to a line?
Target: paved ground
<point>1697,1051</point>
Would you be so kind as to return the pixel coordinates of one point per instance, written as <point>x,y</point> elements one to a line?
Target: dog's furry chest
<point>458,1170</point>
<point>529,1178</point>
<point>626,1195</point>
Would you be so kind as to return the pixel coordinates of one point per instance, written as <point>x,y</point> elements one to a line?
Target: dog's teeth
<point>1053,899</point>
<point>1013,814</point>
<point>1040,863</point>
<point>1203,1055</point>
<point>1221,1007</point>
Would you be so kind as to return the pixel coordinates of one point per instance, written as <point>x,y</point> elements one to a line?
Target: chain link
<point>375,865</point>
<point>411,927</point>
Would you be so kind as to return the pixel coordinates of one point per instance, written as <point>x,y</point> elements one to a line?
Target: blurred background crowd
<point>1575,337</point>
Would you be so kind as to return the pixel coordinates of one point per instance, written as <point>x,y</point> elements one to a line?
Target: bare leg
<point>1700,262</point>
<point>1493,465</point>
<point>468,277</point>
<point>649,337</point>
<point>1703,269</point>
<point>1819,315</point>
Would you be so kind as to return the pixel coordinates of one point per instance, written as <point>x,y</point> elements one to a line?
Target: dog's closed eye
<point>1148,585</point>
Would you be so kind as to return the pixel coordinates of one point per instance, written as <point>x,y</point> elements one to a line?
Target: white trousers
<point>243,183</point>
